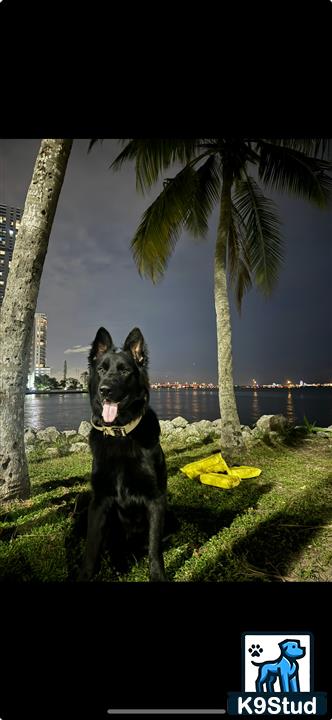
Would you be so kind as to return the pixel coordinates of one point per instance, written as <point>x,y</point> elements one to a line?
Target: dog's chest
<point>131,481</point>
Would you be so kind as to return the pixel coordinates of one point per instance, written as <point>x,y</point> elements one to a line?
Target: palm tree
<point>18,311</point>
<point>248,244</point>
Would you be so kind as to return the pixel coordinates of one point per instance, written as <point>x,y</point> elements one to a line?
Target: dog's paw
<point>255,650</point>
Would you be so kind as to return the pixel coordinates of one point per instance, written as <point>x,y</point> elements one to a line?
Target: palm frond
<point>287,169</point>
<point>152,156</point>
<point>237,260</point>
<point>162,224</point>
<point>206,194</point>
<point>93,142</point>
<point>264,244</point>
<point>314,147</point>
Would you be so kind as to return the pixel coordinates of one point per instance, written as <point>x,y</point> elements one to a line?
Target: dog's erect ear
<point>100,345</point>
<point>135,343</point>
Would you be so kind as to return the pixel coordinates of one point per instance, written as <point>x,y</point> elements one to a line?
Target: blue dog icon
<point>285,668</point>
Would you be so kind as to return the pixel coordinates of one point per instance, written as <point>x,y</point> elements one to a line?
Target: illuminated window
<point>2,252</point>
<point>2,282</point>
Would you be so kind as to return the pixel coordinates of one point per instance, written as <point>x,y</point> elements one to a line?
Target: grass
<point>277,527</point>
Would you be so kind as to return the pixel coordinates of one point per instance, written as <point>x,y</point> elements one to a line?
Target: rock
<point>274,437</point>
<point>247,434</point>
<point>29,449</point>
<point>257,433</point>
<point>268,423</point>
<point>204,427</point>
<point>217,422</point>
<point>69,433</point>
<point>166,427</point>
<point>180,422</point>
<point>79,447</point>
<point>178,432</point>
<point>51,452</point>
<point>30,436</point>
<point>323,434</point>
<point>49,435</point>
<point>84,428</point>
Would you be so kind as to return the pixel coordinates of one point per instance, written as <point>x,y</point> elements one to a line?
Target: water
<point>66,412</point>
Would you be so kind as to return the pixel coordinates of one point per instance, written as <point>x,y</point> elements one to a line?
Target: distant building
<point>10,218</point>
<point>38,350</point>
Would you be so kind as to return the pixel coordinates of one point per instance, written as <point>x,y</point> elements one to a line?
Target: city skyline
<point>90,280</point>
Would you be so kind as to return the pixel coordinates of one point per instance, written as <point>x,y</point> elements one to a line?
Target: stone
<point>51,452</point>
<point>204,427</point>
<point>217,422</point>
<point>30,436</point>
<point>79,447</point>
<point>49,435</point>
<point>69,433</point>
<point>84,428</point>
<point>247,434</point>
<point>180,422</point>
<point>257,433</point>
<point>274,437</point>
<point>166,427</point>
<point>268,423</point>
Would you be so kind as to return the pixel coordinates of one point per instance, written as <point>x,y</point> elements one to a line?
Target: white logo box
<point>271,652</point>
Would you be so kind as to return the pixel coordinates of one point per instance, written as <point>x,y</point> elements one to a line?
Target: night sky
<point>90,279</point>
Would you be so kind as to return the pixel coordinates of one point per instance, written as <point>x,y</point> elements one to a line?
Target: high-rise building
<point>10,218</point>
<point>37,361</point>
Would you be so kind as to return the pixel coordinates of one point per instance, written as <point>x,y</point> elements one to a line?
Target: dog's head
<point>292,649</point>
<point>118,383</point>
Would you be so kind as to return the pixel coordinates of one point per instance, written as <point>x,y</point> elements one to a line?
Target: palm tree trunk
<point>18,309</point>
<point>231,436</point>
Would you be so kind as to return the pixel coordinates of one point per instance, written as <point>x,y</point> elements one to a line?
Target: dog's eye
<point>123,371</point>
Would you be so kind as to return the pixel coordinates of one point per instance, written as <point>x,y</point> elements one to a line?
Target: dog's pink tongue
<point>110,411</point>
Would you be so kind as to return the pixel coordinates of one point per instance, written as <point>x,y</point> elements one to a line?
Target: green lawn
<point>277,527</point>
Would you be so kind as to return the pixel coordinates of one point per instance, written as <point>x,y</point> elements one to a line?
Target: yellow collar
<point>118,430</point>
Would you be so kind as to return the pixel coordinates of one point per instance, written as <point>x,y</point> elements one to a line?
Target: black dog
<point>128,471</point>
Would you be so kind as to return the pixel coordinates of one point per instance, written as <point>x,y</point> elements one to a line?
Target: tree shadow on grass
<point>48,485</point>
<point>204,521</point>
<point>210,520</point>
<point>21,511</point>
<point>269,551</point>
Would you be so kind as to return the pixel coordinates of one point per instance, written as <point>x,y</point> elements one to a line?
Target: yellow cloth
<point>213,470</point>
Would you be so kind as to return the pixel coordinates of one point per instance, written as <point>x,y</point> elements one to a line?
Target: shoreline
<point>261,388</point>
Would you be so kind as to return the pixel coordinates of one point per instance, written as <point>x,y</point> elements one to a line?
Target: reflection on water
<point>290,408</point>
<point>67,411</point>
<point>191,404</point>
<point>255,406</point>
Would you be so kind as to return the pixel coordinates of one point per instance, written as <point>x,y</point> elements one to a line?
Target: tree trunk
<point>18,309</point>
<point>231,437</point>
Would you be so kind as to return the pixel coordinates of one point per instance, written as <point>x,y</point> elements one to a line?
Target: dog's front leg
<point>97,515</point>
<point>156,516</point>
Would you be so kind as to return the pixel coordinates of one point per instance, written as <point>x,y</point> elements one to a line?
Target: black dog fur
<point>129,478</point>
